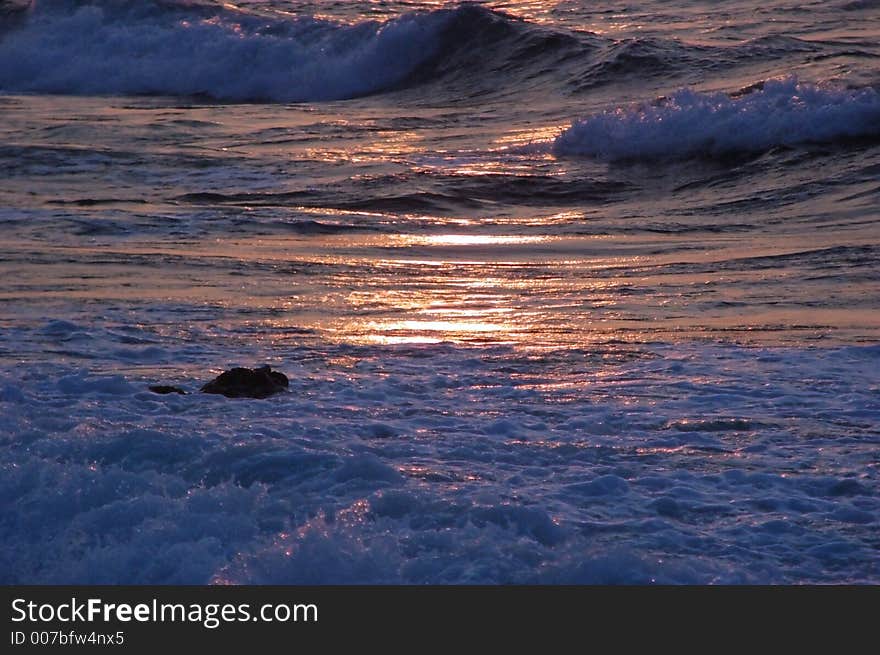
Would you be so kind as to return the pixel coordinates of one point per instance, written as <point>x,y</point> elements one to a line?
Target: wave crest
<point>164,48</point>
<point>778,112</point>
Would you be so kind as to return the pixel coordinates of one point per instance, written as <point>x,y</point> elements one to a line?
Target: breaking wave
<point>778,112</point>
<point>162,48</point>
<point>217,51</point>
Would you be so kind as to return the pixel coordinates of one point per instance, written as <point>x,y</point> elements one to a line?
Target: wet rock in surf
<point>166,389</point>
<point>247,383</point>
<point>12,13</point>
<point>13,7</point>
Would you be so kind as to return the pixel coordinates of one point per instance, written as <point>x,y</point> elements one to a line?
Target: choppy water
<point>567,291</point>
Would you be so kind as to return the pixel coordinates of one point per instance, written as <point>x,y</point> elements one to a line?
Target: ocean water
<point>567,292</point>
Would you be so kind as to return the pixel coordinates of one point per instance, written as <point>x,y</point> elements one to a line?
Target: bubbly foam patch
<point>445,465</point>
<point>779,112</point>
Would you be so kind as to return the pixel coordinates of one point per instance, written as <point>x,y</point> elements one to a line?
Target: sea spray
<point>778,112</point>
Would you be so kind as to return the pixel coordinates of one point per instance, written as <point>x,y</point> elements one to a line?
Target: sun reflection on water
<point>465,239</point>
<point>449,296</point>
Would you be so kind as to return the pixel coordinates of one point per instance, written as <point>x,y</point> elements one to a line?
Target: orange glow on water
<point>466,239</point>
<point>457,287</point>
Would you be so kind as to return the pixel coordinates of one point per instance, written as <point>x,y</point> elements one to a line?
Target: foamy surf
<point>778,112</point>
<point>639,475</point>
<point>156,48</point>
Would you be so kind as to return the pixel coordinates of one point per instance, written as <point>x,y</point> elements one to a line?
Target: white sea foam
<point>779,112</point>
<point>392,477</point>
<point>149,48</point>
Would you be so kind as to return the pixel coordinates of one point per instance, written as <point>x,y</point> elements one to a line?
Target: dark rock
<point>164,389</point>
<point>13,13</point>
<point>11,7</point>
<point>247,383</point>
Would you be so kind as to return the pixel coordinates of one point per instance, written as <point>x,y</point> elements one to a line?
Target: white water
<point>783,112</point>
<point>700,464</point>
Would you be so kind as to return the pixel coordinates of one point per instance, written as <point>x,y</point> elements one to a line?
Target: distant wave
<point>779,112</point>
<point>188,48</point>
<point>202,48</point>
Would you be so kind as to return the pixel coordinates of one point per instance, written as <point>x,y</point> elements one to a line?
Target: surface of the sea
<point>567,292</point>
